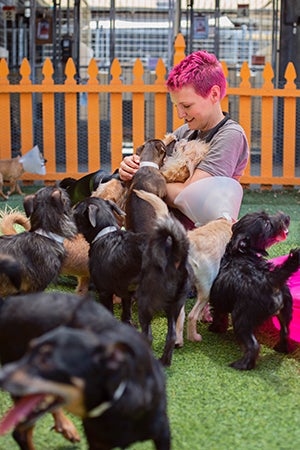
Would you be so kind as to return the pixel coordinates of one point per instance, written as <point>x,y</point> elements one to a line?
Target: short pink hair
<point>201,70</point>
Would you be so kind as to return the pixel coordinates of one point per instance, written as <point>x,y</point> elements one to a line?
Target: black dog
<point>115,255</point>
<point>40,251</point>
<point>104,371</point>
<point>84,186</point>
<point>251,288</point>
<point>163,283</point>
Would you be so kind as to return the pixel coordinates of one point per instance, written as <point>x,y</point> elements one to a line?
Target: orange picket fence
<point>240,99</point>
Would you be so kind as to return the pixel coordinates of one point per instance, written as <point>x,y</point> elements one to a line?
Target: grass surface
<point>212,406</point>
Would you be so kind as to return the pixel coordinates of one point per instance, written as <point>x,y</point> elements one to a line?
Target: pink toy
<point>294,285</point>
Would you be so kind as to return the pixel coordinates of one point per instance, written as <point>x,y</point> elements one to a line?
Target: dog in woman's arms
<point>250,288</point>
<point>140,216</point>
<point>180,165</point>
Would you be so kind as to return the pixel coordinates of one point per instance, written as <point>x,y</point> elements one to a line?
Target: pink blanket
<point>294,285</point>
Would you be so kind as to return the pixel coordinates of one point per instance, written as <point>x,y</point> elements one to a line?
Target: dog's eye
<point>43,358</point>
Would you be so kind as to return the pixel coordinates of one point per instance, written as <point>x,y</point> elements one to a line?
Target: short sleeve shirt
<point>228,153</point>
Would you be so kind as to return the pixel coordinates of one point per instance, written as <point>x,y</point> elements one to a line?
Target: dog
<point>12,169</point>
<point>115,255</point>
<point>250,288</point>
<point>76,260</point>
<point>40,251</point>
<point>163,282</point>
<point>140,216</point>
<point>83,187</point>
<point>180,165</point>
<point>99,369</point>
<point>206,247</point>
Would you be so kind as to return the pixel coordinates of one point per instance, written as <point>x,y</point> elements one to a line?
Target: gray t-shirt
<point>229,150</point>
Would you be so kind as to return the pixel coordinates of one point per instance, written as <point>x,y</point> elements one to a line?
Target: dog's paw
<point>217,328</point>
<point>242,364</point>
<point>284,347</point>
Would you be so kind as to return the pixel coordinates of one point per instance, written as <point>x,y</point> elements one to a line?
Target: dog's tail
<point>160,207</point>
<point>168,243</point>
<point>281,273</point>
<point>11,218</point>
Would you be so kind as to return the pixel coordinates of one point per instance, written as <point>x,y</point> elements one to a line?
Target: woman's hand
<point>129,167</point>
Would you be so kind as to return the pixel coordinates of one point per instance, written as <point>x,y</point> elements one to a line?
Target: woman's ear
<point>215,93</point>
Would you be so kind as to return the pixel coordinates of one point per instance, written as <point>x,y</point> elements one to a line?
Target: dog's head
<point>94,214</point>
<point>258,231</point>
<point>49,209</point>
<point>86,373</point>
<point>153,150</point>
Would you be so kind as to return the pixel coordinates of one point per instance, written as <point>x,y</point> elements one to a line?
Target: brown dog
<point>76,261</point>
<point>140,215</point>
<point>10,170</point>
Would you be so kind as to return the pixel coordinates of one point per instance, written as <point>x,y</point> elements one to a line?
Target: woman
<point>196,86</point>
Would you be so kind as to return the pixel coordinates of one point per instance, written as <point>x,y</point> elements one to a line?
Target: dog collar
<point>103,232</point>
<point>50,235</point>
<point>149,164</point>
<point>100,409</point>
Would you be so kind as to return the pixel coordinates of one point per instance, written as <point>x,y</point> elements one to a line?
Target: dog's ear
<point>240,243</point>
<point>139,149</point>
<point>115,208</point>
<point>92,214</point>
<point>57,200</point>
<point>28,204</point>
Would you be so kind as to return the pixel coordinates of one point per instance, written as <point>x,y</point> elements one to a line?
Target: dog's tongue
<point>19,411</point>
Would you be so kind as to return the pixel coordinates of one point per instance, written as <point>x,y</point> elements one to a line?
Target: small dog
<point>80,189</point>
<point>97,368</point>
<point>40,251</point>
<point>163,281</point>
<point>12,169</point>
<point>139,214</point>
<point>76,260</point>
<point>180,165</point>
<point>207,246</point>
<point>250,288</point>
<point>115,255</point>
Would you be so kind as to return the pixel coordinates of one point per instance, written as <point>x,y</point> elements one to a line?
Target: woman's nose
<point>180,112</point>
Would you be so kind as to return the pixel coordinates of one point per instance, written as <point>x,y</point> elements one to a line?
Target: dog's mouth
<point>27,410</point>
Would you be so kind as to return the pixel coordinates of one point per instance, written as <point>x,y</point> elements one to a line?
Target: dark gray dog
<point>97,368</point>
<point>40,251</point>
<point>251,288</point>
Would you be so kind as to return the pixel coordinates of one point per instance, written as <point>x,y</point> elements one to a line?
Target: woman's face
<point>198,112</point>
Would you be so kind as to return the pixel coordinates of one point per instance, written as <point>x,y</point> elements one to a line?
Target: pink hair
<point>201,70</point>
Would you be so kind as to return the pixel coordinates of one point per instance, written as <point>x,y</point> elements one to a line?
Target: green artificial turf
<point>212,406</point>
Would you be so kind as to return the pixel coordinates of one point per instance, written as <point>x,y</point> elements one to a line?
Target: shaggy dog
<point>250,288</point>
<point>76,260</point>
<point>180,165</point>
<point>40,251</point>
<point>140,215</point>
<point>110,379</point>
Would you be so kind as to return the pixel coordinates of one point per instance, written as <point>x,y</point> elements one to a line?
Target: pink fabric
<point>294,285</point>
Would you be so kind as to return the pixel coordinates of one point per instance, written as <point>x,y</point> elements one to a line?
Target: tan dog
<point>76,261</point>
<point>114,190</point>
<point>10,170</point>
<point>207,246</point>
<point>186,155</point>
